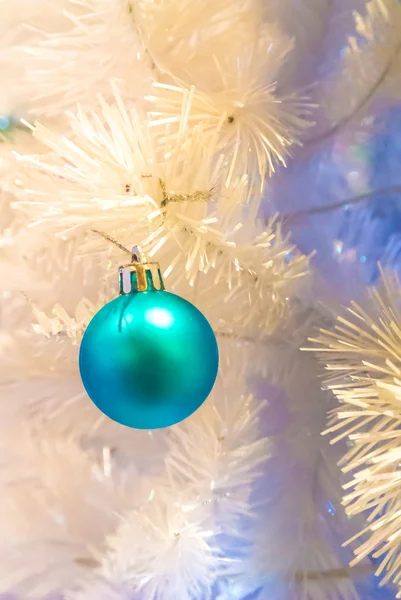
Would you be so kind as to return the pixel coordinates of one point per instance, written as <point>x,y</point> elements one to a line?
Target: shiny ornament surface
<point>148,359</point>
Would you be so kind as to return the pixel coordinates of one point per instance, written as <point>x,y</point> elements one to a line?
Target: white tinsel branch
<point>370,65</point>
<point>171,201</point>
<point>363,357</point>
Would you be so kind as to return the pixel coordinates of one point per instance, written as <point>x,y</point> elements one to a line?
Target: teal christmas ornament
<point>149,358</point>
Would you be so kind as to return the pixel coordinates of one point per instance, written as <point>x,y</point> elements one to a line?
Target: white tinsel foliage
<point>200,508</point>
<point>19,270</point>
<point>85,183</point>
<point>237,95</point>
<point>290,554</point>
<point>363,357</point>
<point>223,28</point>
<point>51,529</point>
<point>93,41</point>
<point>222,541</point>
<point>165,533</point>
<point>370,66</point>
<point>21,23</point>
<point>236,90</point>
<point>73,57</point>
<point>179,182</point>
<point>306,23</point>
<point>169,196</point>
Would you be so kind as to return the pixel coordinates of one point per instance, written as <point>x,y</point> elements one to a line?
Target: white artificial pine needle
<point>157,124</point>
<point>74,57</point>
<point>201,498</point>
<point>116,173</point>
<point>363,359</point>
<point>256,127</point>
<point>370,63</point>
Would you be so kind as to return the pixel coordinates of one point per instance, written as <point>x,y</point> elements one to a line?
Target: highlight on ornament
<point>149,358</point>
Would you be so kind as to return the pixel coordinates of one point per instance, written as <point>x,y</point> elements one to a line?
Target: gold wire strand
<point>110,239</point>
<point>197,196</point>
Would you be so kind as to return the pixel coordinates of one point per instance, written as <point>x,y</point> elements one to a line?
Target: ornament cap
<point>139,275</point>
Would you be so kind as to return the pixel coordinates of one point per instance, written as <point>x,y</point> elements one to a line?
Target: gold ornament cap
<point>140,276</point>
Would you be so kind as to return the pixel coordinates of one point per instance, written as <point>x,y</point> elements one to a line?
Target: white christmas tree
<point>160,124</point>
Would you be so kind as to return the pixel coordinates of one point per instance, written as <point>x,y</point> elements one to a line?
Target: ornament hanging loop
<point>136,255</point>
